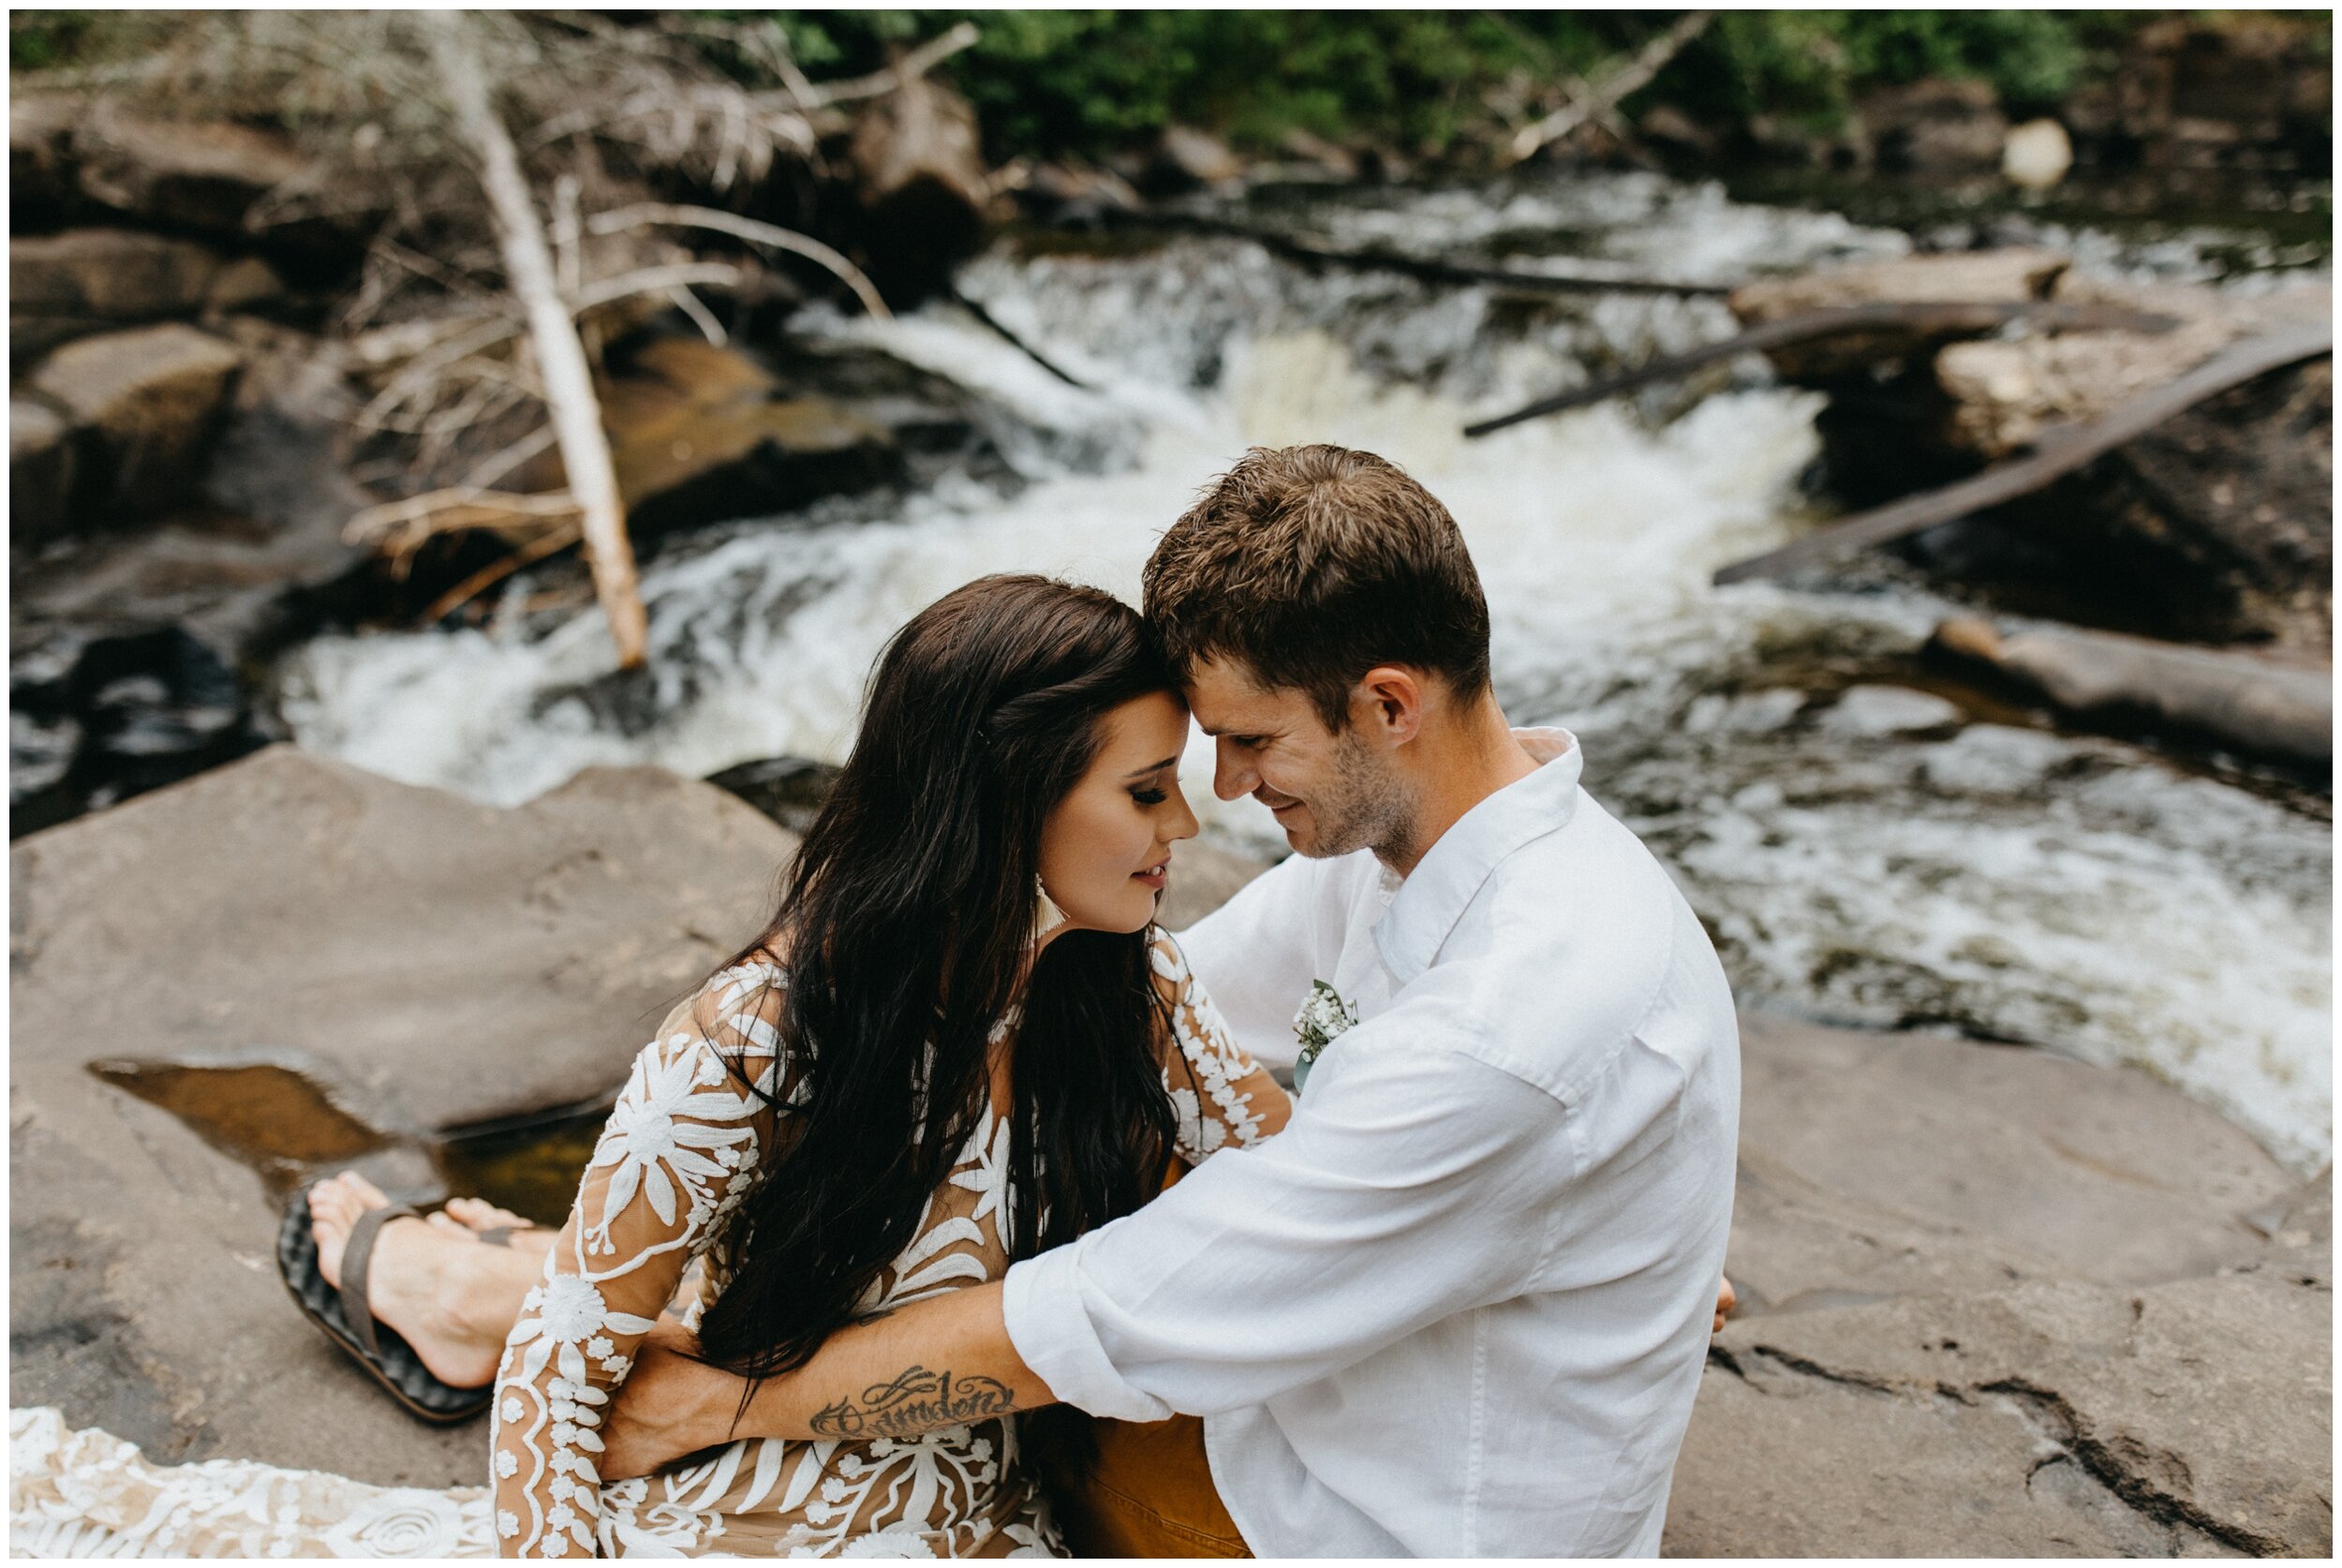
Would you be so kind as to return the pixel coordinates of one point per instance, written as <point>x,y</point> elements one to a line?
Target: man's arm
<point>942,1362</point>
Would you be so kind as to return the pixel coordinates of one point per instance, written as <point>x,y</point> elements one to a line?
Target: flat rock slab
<point>428,961</point>
<point>1881,1164</point>
<point>1997,1303</point>
<point>2189,1419</point>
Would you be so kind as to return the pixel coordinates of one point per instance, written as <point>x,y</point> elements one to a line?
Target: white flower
<point>572,1309</point>
<point>507,1523</point>
<point>1322,1019</point>
<point>561,1518</point>
<point>600,1346</point>
<point>562,1490</point>
<point>564,1434</point>
<point>650,1143</point>
<point>507,1464</point>
<point>554,1546</point>
<point>510,1410</point>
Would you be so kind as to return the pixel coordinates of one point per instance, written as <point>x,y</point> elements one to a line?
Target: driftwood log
<point>2059,451</point>
<point>1933,320</point>
<point>1428,269</point>
<point>2241,701</point>
<point>567,381</point>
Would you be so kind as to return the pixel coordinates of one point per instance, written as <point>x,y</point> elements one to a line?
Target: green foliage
<point>1090,81</point>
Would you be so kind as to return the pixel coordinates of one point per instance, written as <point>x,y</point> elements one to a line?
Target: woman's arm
<point>942,1362</point>
<point>681,1142</point>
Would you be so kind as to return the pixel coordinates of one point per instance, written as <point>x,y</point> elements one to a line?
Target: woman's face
<point>1106,847</point>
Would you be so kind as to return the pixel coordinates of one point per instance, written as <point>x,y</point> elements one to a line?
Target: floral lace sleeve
<point>1221,1094</point>
<point>678,1153</point>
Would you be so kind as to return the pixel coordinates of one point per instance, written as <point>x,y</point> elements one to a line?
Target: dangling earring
<point>1047,916</point>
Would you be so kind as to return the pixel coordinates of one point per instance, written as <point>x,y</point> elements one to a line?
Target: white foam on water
<point>2073,894</point>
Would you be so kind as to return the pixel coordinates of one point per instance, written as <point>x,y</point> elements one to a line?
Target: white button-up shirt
<point>1460,1304</point>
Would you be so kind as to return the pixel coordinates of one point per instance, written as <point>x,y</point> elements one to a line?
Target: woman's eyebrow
<point>1154,767</point>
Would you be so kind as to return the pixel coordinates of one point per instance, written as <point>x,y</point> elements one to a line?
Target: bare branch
<point>702,317</point>
<point>647,213</point>
<point>1597,100</point>
<point>654,280</point>
<point>878,83</point>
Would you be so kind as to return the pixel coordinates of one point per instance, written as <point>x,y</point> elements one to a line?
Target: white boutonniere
<point>1323,1017</point>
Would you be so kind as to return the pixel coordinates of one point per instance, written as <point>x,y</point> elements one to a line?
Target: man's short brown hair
<point>1313,564</point>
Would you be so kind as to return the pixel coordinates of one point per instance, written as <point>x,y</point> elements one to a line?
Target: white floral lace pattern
<point>1243,1095</point>
<point>679,1151</point>
<point>75,1494</point>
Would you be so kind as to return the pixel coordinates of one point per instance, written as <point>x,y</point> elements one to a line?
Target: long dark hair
<point>904,925</point>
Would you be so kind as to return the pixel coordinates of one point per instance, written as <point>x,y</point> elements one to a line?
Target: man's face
<point>1331,792</point>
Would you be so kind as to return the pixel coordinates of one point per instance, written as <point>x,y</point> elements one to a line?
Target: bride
<point>960,1041</point>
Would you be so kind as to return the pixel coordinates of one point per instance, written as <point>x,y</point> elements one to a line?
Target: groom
<point>1460,1304</point>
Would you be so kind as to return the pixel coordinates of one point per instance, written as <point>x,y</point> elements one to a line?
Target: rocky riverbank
<point>1996,1301</point>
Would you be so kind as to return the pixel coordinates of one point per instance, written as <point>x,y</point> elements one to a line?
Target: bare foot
<point>478,1214</point>
<point>426,1283</point>
<point>1727,1298</point>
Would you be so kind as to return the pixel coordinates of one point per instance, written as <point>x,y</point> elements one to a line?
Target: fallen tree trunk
<point>1428,269</point>
<point>2060,451</point>
<point>2241,701</point>
<point>1933,320</point>
<point>567,381</point>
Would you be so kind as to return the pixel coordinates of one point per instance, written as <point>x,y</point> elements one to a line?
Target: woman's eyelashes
<point>1150,798</point>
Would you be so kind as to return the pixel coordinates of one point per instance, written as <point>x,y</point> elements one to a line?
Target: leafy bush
<point>1090,81</point>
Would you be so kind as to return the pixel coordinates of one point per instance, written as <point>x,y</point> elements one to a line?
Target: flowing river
<point>1865,851</point>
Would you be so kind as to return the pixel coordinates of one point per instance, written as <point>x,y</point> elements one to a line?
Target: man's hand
<point>671,1404</point>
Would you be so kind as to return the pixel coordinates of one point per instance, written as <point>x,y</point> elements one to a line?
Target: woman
<point>958,1041</point>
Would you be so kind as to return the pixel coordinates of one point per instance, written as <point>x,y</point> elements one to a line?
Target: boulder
<point>144,404</point>
<point>700,433</point>
<point>1076,196</point>
<point>197,176</point>
<point>1186,159</point>
<point>134,649</point>
<point>65,286</point>
<point>1935,126</point>
<point>374,962</point>
<point>40,157</point>
<point>40,471</point>
<point>922,186</point>
<point>2037,155</point>
<point>2006,391</point>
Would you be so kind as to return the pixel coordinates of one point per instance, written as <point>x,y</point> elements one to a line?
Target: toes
<point>366,1192</point>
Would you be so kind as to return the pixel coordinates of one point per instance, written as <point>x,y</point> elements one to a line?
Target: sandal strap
<point>357,1260</point>
<point>499,1236</point>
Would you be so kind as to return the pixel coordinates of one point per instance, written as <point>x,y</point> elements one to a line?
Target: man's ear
<point>1389,702</point>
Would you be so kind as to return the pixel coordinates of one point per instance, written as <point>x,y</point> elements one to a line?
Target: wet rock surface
<point>1997,1303</point>
<point>144,406</point>
<point>426,962</point>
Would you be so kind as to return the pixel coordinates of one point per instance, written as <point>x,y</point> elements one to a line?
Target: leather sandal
<point>342,1315</point>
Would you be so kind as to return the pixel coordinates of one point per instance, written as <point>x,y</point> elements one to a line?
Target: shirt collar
<point>1451,873</point>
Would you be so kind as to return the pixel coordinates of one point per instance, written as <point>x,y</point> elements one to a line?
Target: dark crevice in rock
<point>1803,1368</point>
<point>2121,1472</point>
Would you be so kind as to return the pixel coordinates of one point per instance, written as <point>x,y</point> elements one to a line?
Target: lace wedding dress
<point>678,1153</point>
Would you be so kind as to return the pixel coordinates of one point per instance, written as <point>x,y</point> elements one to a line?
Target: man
<point>1460,1306</point>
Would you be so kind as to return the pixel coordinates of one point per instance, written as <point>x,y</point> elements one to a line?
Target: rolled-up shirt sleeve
<point>1414,1182</point>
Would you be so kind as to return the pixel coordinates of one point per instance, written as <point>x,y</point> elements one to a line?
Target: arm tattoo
<point>916,1401</point>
